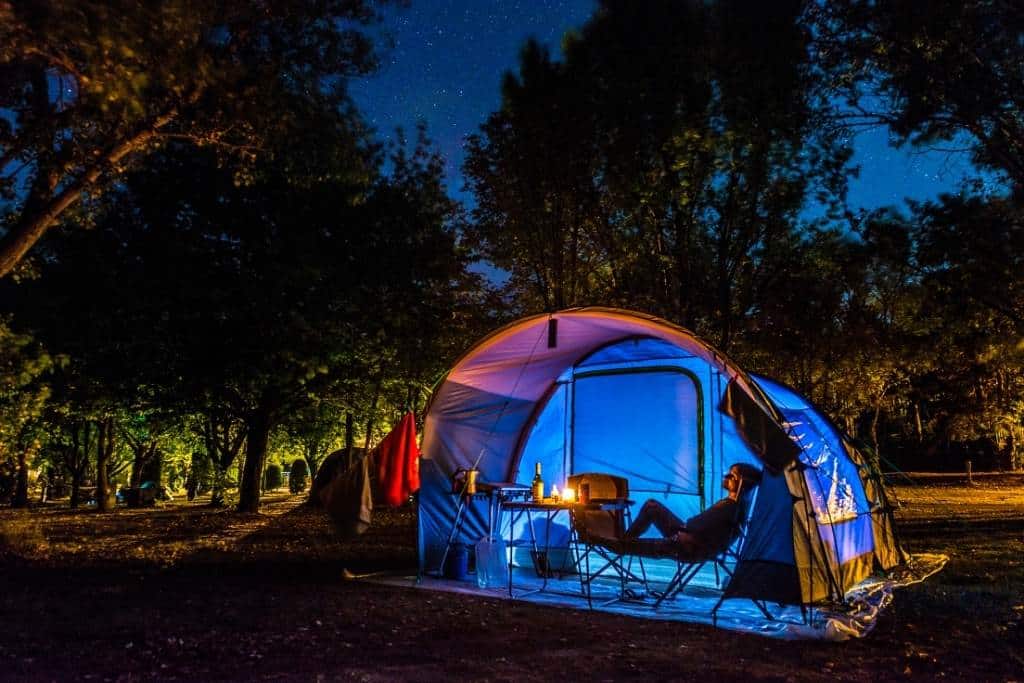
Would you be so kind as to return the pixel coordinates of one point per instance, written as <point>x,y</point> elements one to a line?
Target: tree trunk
<point>136,476</point>
<point>143,454</point>
<point>222,447</point>
<point>220,476</point>
<point>312,456</point>
<point>76,492</point>
<point>373,415</point>
<point>77,458</point>
<point>350,437</point>
<point>20,499</point>
<point>105,499</point>
<point>1012,463</point>
<point>153,468</point>
<point>255,453</point>
<point>874,424</point>
<point>917,422</point>
<point>682,255</point>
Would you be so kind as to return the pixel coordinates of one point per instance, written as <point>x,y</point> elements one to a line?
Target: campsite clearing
<point>186,592</point>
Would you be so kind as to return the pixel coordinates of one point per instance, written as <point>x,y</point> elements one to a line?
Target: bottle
<point>491,563</point>
<point>537,488</point>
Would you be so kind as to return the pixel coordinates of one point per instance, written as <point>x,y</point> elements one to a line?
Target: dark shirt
<point>714,526</point>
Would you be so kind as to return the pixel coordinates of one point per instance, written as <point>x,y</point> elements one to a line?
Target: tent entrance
<point>644,424</point>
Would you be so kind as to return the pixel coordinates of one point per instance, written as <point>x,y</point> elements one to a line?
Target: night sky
<point>449,56</point>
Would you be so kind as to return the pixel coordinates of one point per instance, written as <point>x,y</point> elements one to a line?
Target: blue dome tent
<point>628,394</point>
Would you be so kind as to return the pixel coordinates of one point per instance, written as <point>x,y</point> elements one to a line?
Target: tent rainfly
<point>608,390</point>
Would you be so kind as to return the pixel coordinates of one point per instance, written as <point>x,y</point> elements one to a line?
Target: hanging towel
<point>398,463</point>
<point>348,501</point>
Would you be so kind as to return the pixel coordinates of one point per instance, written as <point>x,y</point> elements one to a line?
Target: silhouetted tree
<point>96,85</point>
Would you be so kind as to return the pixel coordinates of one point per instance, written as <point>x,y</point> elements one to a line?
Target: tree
<point>313,277</point>
<point>533,175</point>
<point>935,73</point>
<point>146,432</point>
<point>970,253</point>
<point>947,74</point>
<point>24,393</point>
<point>223,435</point>
<point>95,86</point>
<point>658,163</point>
<point>316,429</point>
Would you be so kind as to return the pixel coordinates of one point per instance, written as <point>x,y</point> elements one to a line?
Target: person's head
<point>741,473</point>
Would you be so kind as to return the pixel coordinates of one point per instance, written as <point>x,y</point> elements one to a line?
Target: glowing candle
<point>554,492</point>
<point>568,496</point>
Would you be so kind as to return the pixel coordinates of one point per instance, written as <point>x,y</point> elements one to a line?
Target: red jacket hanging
<point>398,463</point>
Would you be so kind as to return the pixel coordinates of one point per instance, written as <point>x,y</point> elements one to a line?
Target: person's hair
<point>748,473</point>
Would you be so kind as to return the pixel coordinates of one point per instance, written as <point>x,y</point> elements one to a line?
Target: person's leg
<point>689,545</point>
<point>657,514</point>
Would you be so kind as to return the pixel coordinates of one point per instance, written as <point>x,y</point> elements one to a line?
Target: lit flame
<point>554,491</point>
<point>568,495</point>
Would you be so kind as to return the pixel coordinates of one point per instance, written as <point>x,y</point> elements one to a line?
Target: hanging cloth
<point>398,463</point>
<point>348,501</point>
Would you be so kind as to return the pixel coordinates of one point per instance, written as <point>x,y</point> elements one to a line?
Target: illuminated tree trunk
<point>105,499</point>
<point>221,447</point>
<point>77,459</point>
<point>1014,459</point>
<point>143,453</point>
<point>255,455</point>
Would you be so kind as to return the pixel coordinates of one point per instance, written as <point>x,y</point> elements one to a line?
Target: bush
<point>298,477</point>
<point>272,478</point>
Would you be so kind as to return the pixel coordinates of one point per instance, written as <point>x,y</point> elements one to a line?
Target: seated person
<point>707,533</point>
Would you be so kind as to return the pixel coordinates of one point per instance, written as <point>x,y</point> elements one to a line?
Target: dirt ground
<point>184,592</point>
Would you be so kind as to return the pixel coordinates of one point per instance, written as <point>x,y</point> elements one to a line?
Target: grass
<point>187,592</point>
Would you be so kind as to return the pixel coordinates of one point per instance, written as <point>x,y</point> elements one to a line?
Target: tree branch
<point>31,227</point>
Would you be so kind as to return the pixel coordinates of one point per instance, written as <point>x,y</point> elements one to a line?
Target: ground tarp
<point>865,602</point>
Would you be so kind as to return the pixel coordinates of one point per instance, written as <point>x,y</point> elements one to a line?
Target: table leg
<point>511,551</point>
<point>547,548</point>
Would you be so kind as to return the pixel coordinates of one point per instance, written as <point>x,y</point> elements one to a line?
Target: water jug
<point>491,563</point>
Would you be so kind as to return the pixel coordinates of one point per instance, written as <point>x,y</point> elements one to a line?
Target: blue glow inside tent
<point>630,409</point>
<point>643,426</point>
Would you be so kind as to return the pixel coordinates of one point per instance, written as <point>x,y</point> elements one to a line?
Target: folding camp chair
<point>689,564</point>
<point>599,527</point>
